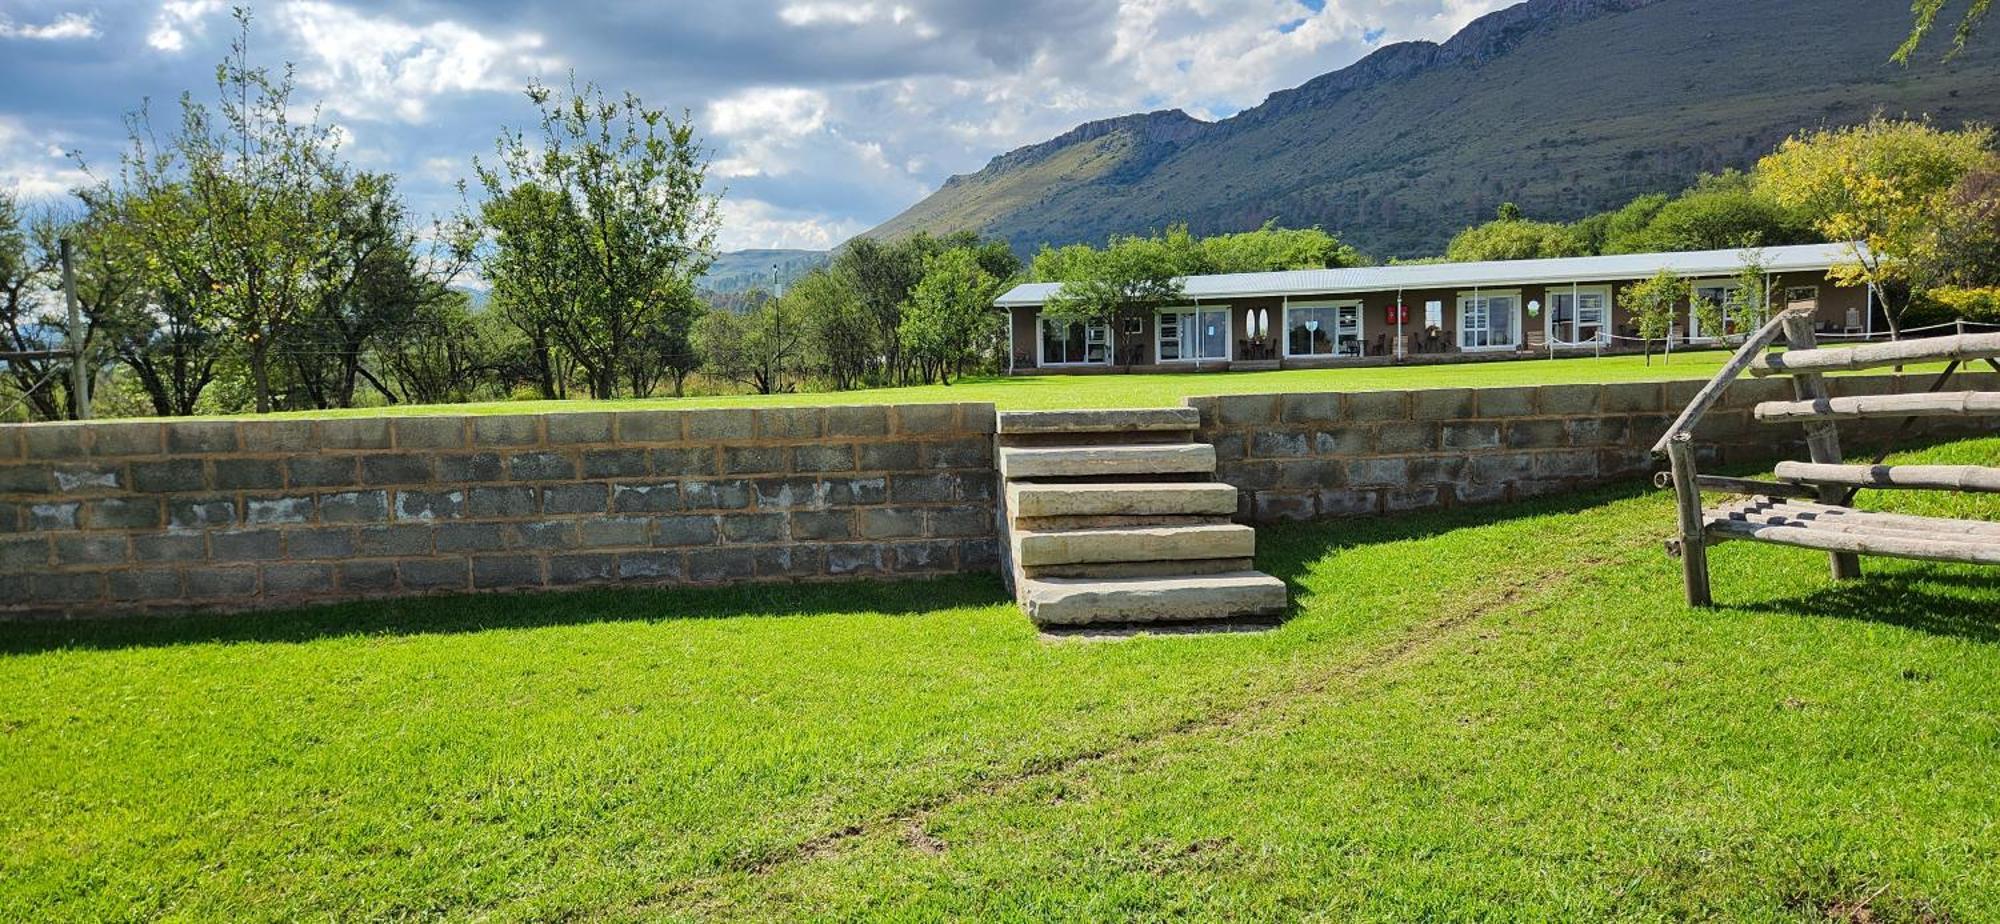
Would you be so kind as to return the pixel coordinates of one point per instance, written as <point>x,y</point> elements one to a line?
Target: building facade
<point>1439,312</point>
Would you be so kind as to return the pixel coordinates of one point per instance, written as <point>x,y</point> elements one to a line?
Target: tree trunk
<point>260,373</point>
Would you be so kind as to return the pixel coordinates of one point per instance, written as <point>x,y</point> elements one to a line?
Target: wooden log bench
<point>1810,504</point>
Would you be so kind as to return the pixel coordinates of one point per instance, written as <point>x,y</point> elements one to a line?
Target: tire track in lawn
<point>1459,611</point>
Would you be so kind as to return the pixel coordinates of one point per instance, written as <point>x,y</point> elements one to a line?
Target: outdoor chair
<point>1810,504</point>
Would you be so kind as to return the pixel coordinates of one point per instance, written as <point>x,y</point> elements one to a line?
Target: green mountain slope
<point>1564,106</point>
<point>742,270</point>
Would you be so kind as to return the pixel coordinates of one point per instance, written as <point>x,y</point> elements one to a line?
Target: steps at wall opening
<point>1113,517</point>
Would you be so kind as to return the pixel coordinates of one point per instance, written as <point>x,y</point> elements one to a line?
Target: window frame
<point>1042,343</point>
<point>1695,286</point>
<point>1228,334</point>
<point>1605,289</point>
<point>1465,295</point>
<point>1360,328</point>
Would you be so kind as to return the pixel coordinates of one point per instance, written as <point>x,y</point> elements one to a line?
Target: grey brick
<point>1309,408</point>
<point>1273,506</point>
<point>56,441</point>
<point>575,498</point>
<point>1595,431</point>
<point>1246,410</point>
<point>320,471</point>
<point>407,539</point>
<point>892,523</point>
<point>429,432</point>
<point>354,507</point>
<point>501,571</point>
<point>354,433</point>
<point>433,573</point>
<point>854,558</point>
<point>21,554</point>
<point>126,513</point>
<point>61,515</point>
<point>35,479</point>
<point>1537,434</point>
<point>502,502</point>
<point>246,545</point>
<point>602,532</point>
<point>753,460</point>
<point>1228,446</point>
<point>689,460</point>
<point>1441,404</point>
<point>1426,497</point>
<point>1254,475</point>
<point>1578,463</point>
<point>616,463</point>
<point>569,570</point>
<point>684,530</point>
<point>278,436</point>
<point>789,561</point>
<point>714,566</point>
<point>720,424</point>
<point>365,577</point>
<point>1312,473</point>
<point>823,457</point>
<point>294,579</point>
<point>970,453</point>
<point>1378,405</point>
<point>1632,398</point>
<point>541,466</point>
<point>128,439</point>
<point>926,557</point>
<point>469,537</point>
<point>649,427</point>
<point>754,527</point>
<point>656,566</point>
<point>978,487</point>
<point>84,479</point>
<point>888,457</point>
<point>849,492</point>
<point>1568,400</point>
<point>1507,402</point>
<point>324,542</point>
<point>962,521</point>
<point>221,582</point>
<point>664,497</point>
<point>91,551</point>
<point>572,429</point>
<point>429,505</point>
<point>1348,503</point>
<point>1270,443</point>
<point>277,510</point>
<point>926,418</point>
<point>857,421</point>
<point>1343,441</point>
<point>65,587</point>
<point>553,534</point>
<point>1492,468</point>
<point>395,468</point>
<point>1378,472</point>
<point>717,495</point>
<point>148,584</point>
<point>1474,493</point>
<point>978,417</point>
<point>792,494</point>
<point>198,436</point>
<point>822,526</point>
<point>10,518</point>
<point>169,547</point>
<point>788,423</point>
<point>507,430</point>
<point>1471,435</point>
<point>477,466</point>
<point>908,489</point>
<point>165,476</point>
<point>979,554</point>
<point>1437,469</point>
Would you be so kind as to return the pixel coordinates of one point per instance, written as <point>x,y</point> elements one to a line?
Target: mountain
<point>742,270</point>
<point>1566,107</point>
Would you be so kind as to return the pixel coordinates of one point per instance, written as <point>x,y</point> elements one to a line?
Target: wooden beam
<point>1917,477</point>
<point>1822,438</point>
<point>1693,535</point>
<point>1942,404</point>
<point>1969,550</point>
<point>1800,360</point>
<point>1723,484</point>
<point>1712,392</point>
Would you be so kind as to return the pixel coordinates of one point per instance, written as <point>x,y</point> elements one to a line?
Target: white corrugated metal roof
<point>1492,273</point>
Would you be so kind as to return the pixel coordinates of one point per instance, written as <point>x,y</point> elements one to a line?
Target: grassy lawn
<point>1499,713</point>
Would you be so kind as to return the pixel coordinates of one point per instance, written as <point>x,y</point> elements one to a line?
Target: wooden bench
<point>1810,504</point>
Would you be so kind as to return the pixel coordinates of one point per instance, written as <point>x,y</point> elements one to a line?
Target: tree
<point>845,342</point>
<point>764,350</point>
<point>950,316</point>
<point>1273,248</point>
<point>1653,303</point>
<point>600,227</point>
<point>1129,281</point>
<point>1882,187</point>
<point>444,352</point>
<point>1514,238</point>
<point>1719,212</point>
<point>1924,14</point>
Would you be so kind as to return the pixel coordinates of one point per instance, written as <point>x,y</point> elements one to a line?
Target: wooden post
<point>1693,533</point>
<point>79,371</point>
<point>1822,436</point>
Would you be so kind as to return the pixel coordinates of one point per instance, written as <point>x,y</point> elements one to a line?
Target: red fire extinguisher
<point>1398,314</point>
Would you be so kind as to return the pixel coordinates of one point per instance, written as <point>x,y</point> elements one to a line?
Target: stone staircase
<point>1114,517</point>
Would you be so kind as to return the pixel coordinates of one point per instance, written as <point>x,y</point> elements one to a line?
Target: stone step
<point>1186,567</point>
<point>1131,420</point>
<point>1162,543</point>
<point>1093,461</point>
<point>1028,501</point>
<point>1080,602</point>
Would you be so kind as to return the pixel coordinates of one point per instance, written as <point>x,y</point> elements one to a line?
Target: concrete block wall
<point>250,514</point>
<point>1307,456</point>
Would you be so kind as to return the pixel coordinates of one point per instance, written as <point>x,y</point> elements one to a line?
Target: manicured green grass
<point>1499,713</point>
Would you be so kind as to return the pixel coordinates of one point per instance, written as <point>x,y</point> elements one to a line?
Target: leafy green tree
<point>1653,303</point>
<point>765,350</point>
<point>950,318</point>
<point>1515,239</point>
<point>845,343</point>
<point>1924,14</point>
<point>1130,280</point>
<point>1273,248</point>
<point>1886,187</point>
<point>444,352</point>
<point>608,209</point>
<point>1721,211</point>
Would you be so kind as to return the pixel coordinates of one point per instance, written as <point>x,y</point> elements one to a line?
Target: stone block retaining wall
<point>1305,456</point>
<point>118,516</point>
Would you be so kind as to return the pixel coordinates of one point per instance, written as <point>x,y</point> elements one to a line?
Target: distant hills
<point>743,270</point>
<point>1565,107</point>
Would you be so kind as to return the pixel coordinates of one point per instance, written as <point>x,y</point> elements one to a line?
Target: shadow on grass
<point>1924,597</point>
<point>480,612</point>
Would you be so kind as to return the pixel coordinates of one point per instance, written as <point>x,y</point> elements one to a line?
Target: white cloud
<point>33,166</point>
<point>748,223</point>
<point>66,27</point>
<point>372,67</point>
<point>179,19</point>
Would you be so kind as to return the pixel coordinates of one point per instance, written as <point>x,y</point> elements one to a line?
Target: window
<point>1323,330</point>
<point>1577,314</point>
<point>1716,293</point>
<point>1067,343</point>
<point>1802,295</point>
<point>1489,320</point>
<point>1188,334</point>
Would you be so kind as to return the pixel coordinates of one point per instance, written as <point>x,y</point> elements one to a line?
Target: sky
<point>822,118</point>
